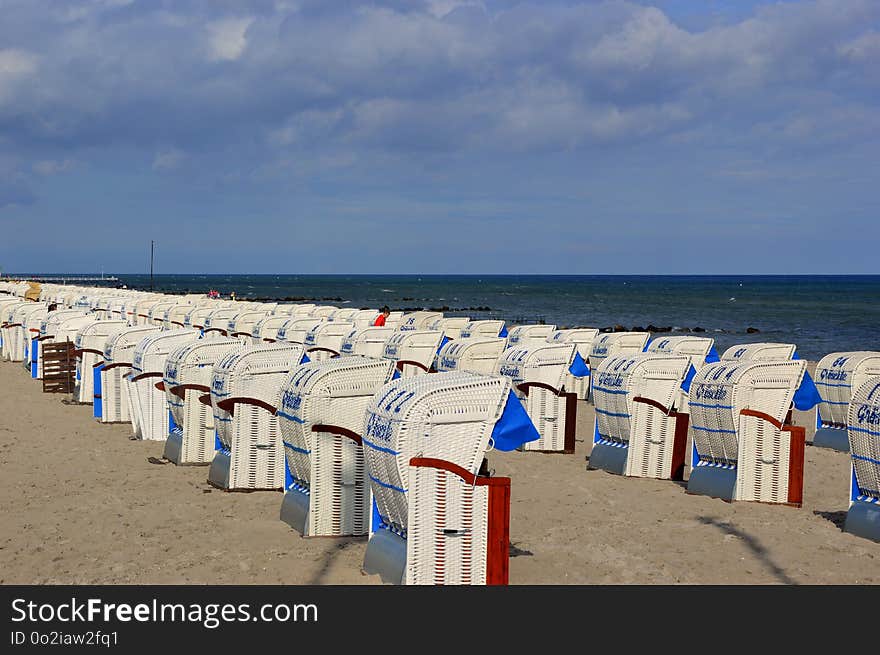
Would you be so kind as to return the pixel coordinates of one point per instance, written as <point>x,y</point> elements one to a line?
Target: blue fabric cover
<point>514,428</point>
<point>579,367</point>
<point>503,333</point>
<point>443,342</point>
<point>712,357</point>
<point>686,384</point>
<point>305,359</point>
<point>795,355</point>
<point>396,375</point>
<point>807,396</point>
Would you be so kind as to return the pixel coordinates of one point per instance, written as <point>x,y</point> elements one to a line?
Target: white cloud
<point>169,159</point>
<point>15,63</point>
<point>226,38</point>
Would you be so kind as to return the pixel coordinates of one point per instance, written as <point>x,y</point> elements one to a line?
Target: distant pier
<point>61,279</point>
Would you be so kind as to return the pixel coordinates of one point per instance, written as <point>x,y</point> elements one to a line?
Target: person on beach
<point>380,319</point>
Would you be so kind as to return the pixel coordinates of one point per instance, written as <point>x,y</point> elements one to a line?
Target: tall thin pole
<point>151,264</point>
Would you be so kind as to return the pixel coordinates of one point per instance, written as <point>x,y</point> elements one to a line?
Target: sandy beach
<point>81,503</point>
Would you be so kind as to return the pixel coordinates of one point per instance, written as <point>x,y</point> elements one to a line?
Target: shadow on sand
<point>758,550</point>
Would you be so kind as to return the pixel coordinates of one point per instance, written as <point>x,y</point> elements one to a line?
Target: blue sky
<point>443,136</point>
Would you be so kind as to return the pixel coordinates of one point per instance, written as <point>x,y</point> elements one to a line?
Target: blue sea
<point>820,314</point>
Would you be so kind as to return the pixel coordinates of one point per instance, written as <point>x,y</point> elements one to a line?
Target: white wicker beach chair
<point>64,330</point>
<point>538,376</point>
<point>838,375</point>
<point>295,329</point>
<point>266,329</point>
<point>175,316</point>
<point>241,326</point>
<point>526,336</point>
<point>700,350</point>
<point>321,416</point>
<point>743,449</point>
<point>436,519</point>
<point>483,328</point>
<point>367,342</point>
<point>196,316</point>
<point>322,311</point>
<point>343,314</point>
<point>156,314</point>
<point>111,397</point>
<point>413,351</point>
<point>420,320</point>
<point>24,325</point>
<point>583,339</point>
<point>8,304</point>
<point>863,427</point>
<point>150,416</point>
<point>28,336</point>
<point>450,325</point>
<point>617,343</point>
<point>324,340</point>
<point>640,430</point>
<point>364,318</point>
<point>285,309</point>
<point>244,394</point>
<point>217,322</point>
<point>89,344</point>
<point>139,314</point>
<point>51,331</point>
<point>760,352</point>
<point>302,310</point>
<point>474,354</point>
<point>189,369</point>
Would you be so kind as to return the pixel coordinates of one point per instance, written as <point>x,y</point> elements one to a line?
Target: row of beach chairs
<point>383,431</point>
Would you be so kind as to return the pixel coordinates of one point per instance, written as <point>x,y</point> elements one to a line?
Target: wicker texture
<point>150,412</point>
<point>329,468</point>
<point>119,349</point>
<point>583,339</point>
<point>759,352</point>
<point>617,343</point>
<point>837,376</point>
<point>294,330</point>
<point>725,438</point>
<point>526,336</point>
<point>250,434</point>
<point>324,340</point>
<point>366,342</point>
<point>863,420</point>
<point>484,328</point>
<point>450,326</point>
<point>474,354</point>
<point>546,364</point>
<point>90,338</point>
<point>415,346</point>
<point>449,416</point>
<point>418,321</point>
<point>646,431</point>
<point>192,363</point>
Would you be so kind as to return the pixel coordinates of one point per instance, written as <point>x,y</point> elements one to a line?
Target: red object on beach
<point>380,321</point>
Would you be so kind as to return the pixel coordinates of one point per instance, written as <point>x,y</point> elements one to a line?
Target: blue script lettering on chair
<point>610,380</point>
<point>868,414</point>
<point>838,376</point>
<point>710,392</point>
<point>448,362</point>
<point>511,372</point>
<point>379,427</point>
<point>291,400</point>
